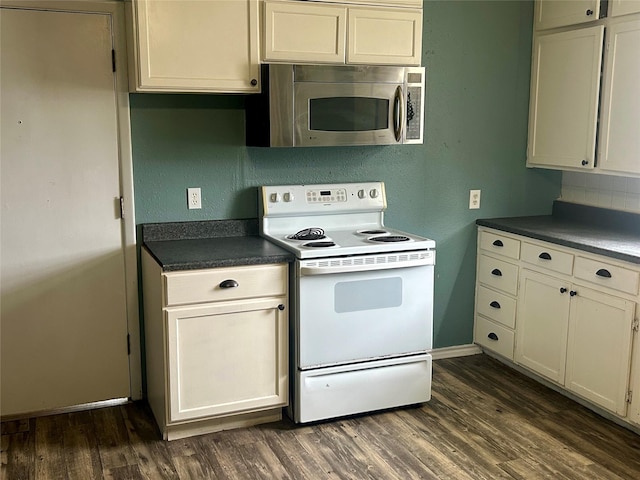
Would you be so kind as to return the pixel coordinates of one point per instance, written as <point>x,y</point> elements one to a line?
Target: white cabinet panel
<point>301,32</point>
<point>564,98</point>
<point>599,348</point>
<point>383,37</point>
<point>542,325</point>
<point>558,13</point>
<point>194,46</point>
<point>226,358</point>
<point>624,7</point>
<point>619,146</point>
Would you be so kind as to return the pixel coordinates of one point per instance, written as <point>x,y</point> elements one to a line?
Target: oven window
<point>368,294</point>
<point>348,114</point>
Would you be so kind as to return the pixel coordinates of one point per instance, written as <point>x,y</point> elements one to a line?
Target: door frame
<point>116,10</point>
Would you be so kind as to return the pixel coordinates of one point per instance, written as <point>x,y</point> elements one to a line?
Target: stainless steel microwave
<point>327,105</point>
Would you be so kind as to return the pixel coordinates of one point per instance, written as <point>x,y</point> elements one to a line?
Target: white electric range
<point>361,297</point>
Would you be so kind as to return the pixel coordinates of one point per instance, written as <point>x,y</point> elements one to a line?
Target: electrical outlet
<point>474,199</point>
<point>194,200</point>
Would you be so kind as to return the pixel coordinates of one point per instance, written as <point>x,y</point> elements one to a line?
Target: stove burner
<point>319,244</point>
<point>312,233</point>
<point>390,239</point>
<point>371,232</point>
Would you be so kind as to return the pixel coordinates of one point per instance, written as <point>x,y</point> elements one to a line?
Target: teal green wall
<point>477,55</point>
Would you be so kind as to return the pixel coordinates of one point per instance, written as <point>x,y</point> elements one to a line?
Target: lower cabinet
<point>575,322</point>
<point>216,346</point>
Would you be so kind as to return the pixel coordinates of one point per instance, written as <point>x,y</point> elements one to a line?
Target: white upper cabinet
<point>559,13</point>
<point>619,144</point>
<point>563,107</point>
<point>339,33</point>
<point>193,46</point>
<point>624,7</point>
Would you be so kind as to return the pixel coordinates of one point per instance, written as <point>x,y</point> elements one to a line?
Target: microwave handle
<point>398,114</point>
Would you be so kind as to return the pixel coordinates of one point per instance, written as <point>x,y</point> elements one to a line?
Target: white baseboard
<point>455,351</point>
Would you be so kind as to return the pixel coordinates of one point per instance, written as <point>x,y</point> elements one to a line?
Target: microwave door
<point>347,114</point>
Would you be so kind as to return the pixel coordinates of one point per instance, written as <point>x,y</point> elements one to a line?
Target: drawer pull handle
<point>604,273</point>
<point>495,304</point>
<point>492,336</point>
<point>281,307</point>
<point>563,290</point>
<point>573,293</point>
<point>228,284</point>
<point>496,272</point>
<point>544,256</point>
<point>498,243</point>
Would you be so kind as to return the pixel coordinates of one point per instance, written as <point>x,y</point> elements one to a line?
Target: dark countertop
<point>596,230</point>
<point>210,244</point>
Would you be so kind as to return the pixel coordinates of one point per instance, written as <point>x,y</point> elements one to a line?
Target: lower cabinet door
<point>599,348</point>
<point>542,324</point>
<point>226,357</point>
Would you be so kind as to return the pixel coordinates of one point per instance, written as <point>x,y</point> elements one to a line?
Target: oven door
<point>358,316</point>
<point>347,114</point>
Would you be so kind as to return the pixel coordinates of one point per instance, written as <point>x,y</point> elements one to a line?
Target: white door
<point>64,316</point>
<point>563,110</point>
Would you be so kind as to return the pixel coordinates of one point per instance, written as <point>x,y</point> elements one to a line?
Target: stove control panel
<point>287,200</point>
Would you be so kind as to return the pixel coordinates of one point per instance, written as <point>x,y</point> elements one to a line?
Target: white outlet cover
<point>194,198</point>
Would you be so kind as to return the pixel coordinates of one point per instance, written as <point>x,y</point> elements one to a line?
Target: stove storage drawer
<point>220,284</point>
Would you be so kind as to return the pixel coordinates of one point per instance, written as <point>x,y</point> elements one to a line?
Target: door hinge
<point>628,396</point>
<point>128,344</point>
<point>121,207</point>
<point>635,326</point>
<point>113,59</point>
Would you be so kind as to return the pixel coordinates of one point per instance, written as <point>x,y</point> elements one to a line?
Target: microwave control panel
<point>414,109</point>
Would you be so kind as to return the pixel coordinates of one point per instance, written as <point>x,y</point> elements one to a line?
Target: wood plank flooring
<point>485,421</point>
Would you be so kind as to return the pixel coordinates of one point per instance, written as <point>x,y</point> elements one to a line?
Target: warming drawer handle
<point>496,272</point>
<point>604,273</point>
<point>498,243</point>
<point>544,256</point>
<point>495,304</point>
<point>228,284</point>
<point>492,336</point>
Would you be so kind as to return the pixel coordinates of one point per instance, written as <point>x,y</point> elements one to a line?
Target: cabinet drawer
<point>499,244</point>
<point>547,257</point>
<point>607,275</point>
<point>207,285</point>
<point>496,306</point>
<point>498,274</point>
<point>494,337</point>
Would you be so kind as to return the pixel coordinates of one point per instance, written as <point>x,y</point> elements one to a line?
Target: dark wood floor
<point>485,421</point>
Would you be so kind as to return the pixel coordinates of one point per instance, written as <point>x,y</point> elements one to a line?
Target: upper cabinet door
<point>559,13</point>
<point>624,7</point>
<point>304,32</point>
<point>384,36</point>
<point>194,46</point>
<point>564,98</point>
<point>619,145</point>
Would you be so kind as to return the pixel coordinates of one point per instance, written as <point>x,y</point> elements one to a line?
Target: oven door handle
<point>308,271</point>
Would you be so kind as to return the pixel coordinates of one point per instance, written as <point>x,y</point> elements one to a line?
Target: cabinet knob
<point>573,293</point>
<point>228,284</point>
<point>589,12</point>
<point>604,273</point>
<point>496,272</point>
<point>498,243</point>
<point>585,162</point>
<point>563,290</point>
<point>281,307</point>
<point>494,304</point>
<point>492,336</point>
<point>254,82</point>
